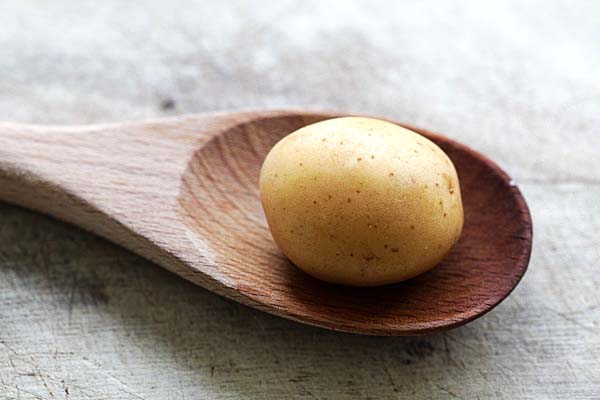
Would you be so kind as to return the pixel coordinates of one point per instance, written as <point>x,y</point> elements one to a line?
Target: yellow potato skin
<point>360,201</point>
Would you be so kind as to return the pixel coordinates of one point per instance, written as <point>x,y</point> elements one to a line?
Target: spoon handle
<point>37,166</point>
<point>119,181</point>
<point>74,173</point>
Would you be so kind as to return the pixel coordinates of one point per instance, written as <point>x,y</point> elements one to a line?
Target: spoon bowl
<point>184,193</point>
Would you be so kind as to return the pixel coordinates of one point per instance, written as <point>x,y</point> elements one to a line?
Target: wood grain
<point>204,222</point>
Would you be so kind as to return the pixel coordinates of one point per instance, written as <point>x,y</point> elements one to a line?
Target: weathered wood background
<point>520,81</point>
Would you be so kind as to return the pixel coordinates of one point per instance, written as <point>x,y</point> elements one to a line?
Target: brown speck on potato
<point>369,257</point>
<point>314,202</point>
<point>301,164</point>
<point>359,159</point>
<point>349,200</point>
<point>395,249</point>
<point>391,174</point>
<point>448,180</point>
<point>437,185</point>
<point>358,191</point>
<point>412,227</point>
<point>324,139</point>
<point>372,226</point>
<point>385,246</point>
<point>329,196</point>
<point>372,157</point>
<point>441,204</point>
<point>337,254</point>
<point>331,236</point>
<point>451,190</point>
<point>351,254</point>
<point>292,231</point>
<point>445,215</point>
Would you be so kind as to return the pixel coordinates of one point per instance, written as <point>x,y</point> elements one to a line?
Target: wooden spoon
<point>183,193</point>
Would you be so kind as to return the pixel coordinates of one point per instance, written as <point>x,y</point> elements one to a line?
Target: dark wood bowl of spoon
<point>183,193</point>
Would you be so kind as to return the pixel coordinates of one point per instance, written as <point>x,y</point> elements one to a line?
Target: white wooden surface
<point>81,318</point>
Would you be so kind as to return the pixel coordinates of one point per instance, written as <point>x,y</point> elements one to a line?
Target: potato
<point>360,201</point>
